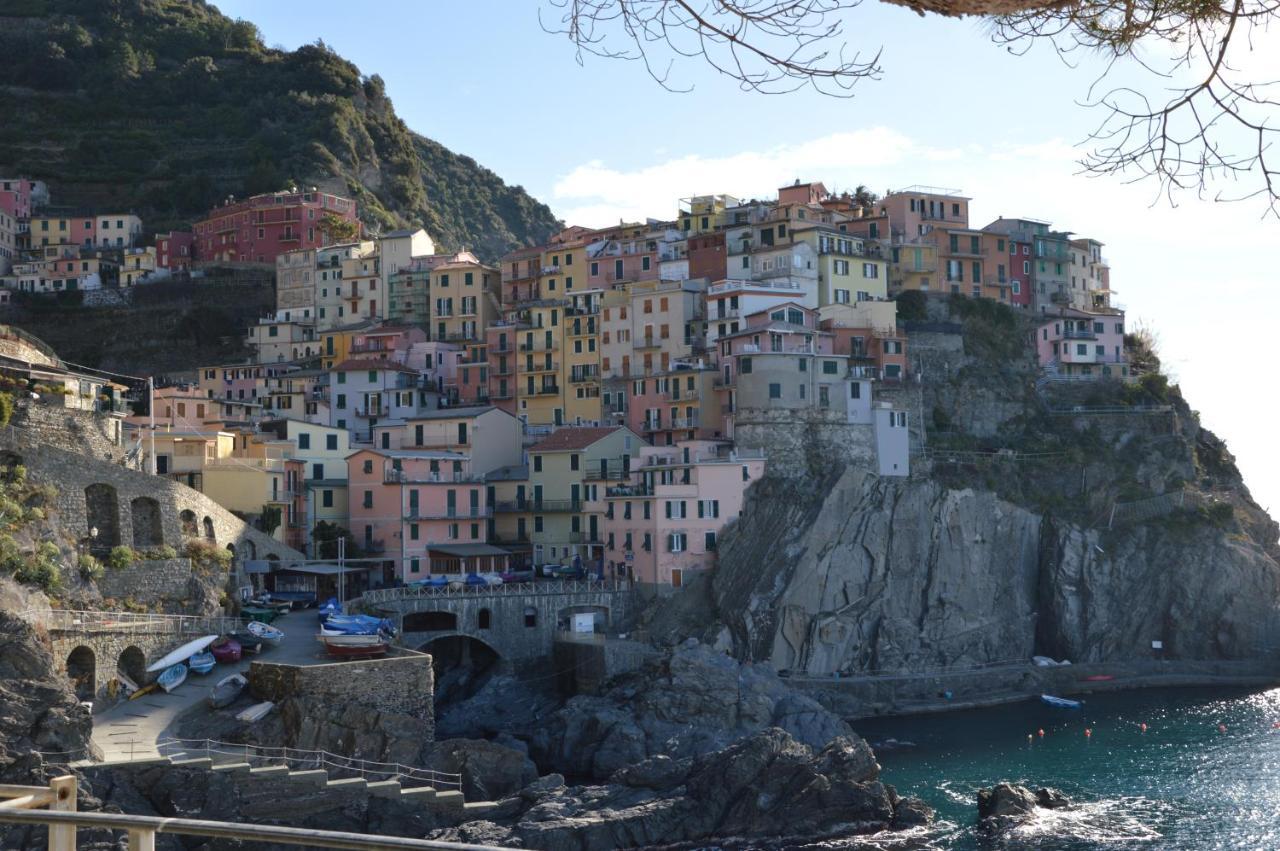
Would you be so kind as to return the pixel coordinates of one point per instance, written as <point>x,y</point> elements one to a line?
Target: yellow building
<point>564,264</point>
<point>580,372</point>
<point>850,268</point>
<point>559,467</point>
<point>137,264</point>
<point>704,213</point>
<point>914,266</point>
<point>539,362</point>
<point>463,301</point>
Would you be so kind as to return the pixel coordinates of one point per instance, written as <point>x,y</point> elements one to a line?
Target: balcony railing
<point>477,513</point>
<point>538,506</point>
<point>547,390</point>
<point>543,367</point>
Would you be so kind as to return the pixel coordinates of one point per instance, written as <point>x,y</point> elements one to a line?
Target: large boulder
<point>489,771</point>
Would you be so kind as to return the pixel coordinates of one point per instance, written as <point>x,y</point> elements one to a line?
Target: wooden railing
<point>54,806</point>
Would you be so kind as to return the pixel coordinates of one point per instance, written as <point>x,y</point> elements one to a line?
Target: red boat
<point>354,651</point>
<point>226,649</point>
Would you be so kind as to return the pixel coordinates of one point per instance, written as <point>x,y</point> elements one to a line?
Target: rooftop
<point>451,413</point>
<point>573,438</point>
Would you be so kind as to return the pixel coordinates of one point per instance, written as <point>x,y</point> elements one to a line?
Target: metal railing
<point>54,807</point>
<point>568,586</point>
<point>68,620</point>
<point>300,759</point>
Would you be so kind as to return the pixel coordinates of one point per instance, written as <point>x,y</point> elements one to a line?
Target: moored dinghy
<point>202,663</point>
<point>1060,702</point>
<point>182,654</point>
<point>265,632</point>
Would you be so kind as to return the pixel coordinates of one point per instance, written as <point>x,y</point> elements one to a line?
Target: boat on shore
<point>226,691</point>
<point>336,646</point>
<point>260,614</point>
<point>1060,702</point>
<point>330,608</point>
<point>226,649</point>
<point>265,633</point>
<point>181,654</point>
<point>202,663</point>
<point>256,712</point>
<point>172,677</point>
<point>250,644</point>
<point>346,639</point>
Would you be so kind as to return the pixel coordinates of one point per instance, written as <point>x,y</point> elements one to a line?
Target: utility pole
<point>151,412</point>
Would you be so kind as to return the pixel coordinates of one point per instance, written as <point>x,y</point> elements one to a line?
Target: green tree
<point>338,229</point>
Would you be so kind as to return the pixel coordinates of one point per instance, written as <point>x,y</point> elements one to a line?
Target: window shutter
<point>700,514</point>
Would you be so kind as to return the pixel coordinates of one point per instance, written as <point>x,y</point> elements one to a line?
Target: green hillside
<point>167,106</point>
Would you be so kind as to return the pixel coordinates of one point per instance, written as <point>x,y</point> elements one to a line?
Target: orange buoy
<point>1222,728</point>
<point>1041,731</point>
<point>1276,726</point>
<point>1087,732</point>
<point>1144,726</point>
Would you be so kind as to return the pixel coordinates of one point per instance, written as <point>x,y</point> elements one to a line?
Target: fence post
<point>142,839</point>
<point>62,837</point>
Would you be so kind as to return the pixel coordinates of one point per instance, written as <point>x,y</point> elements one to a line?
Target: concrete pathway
<point>130,730</point>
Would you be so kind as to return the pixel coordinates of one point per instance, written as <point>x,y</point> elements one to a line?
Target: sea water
<point>1205,774</point>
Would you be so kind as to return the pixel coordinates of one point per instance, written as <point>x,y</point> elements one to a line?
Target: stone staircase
<point>318,778</point>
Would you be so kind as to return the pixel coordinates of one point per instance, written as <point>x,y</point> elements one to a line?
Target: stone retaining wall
<point>148,582</point>
<point>799,443</point>
<point>82,432</point>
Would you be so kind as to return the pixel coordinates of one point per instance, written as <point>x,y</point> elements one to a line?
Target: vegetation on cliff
<point>168,106</point>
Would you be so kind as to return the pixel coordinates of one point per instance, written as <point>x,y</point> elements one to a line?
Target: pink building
<point>173,250</point>
<point>404,503</point>
<point>665,522</point>
<point>19,195</point>
<point>675,406</point>
<point>1076,344</point>
<point>878,353</point>
<point>389,342</point>
<point>259,229</point>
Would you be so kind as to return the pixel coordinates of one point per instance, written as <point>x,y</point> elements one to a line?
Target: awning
<point>468,550</point>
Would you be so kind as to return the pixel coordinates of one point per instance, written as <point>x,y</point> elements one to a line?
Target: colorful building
<point>1085,345</point>
<point>174,250</point>
<point>261,228</point>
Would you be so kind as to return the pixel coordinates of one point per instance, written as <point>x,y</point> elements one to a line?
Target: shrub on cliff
<point>91,570</point>
<point>208,558</point>
<point>6,408</point>
<point>162,552</point>
<point>121,557</point>
<point>42,568</point>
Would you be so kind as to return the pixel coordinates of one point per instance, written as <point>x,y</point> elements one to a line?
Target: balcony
<point>581,374</point>
<point>509,369</point>
<point>966,251</point>
<point>651,425</point>
<point>1078,334</point>
<point>543,506</point>
<point>401,477</point>
<point>629,490</point>
<point>648,343</point>
<point>543,366</point>
<point>478,513</point>
<point>547,390</point>
<point>371,411</point>
<point>684,422</point>
<point>372,546</point>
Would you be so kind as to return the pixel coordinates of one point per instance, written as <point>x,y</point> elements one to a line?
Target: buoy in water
<point>1222,728</point>
<point>1041,732</point>
<point>1276,726</point>
<point>1143,726</point>
<point>1087,732</point>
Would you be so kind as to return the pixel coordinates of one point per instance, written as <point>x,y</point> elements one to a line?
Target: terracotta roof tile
<point>575,437</point>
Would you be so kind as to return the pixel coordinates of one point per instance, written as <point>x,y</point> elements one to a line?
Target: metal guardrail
<point>568,586</point>
<point>69,620</point>
<point>302,759</point>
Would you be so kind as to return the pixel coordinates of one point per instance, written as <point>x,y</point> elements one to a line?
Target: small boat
<point>1099,678</point>
<point>226,691</point>
<point>182,654</point>
<point>359,625</point>
<point>172,677</point>
<point>256,613</point>
<point>250,644</point>
<point>268,602</point>
<point>345,639</point>
<point>331,607</point>
<point>1061,702</point>
<point>354,651</point>
<point>256,712</point>
<point>147,689</point>
<point>226,649</point>
<point>202,663</point>
<point>265,632</point>
<point>127,685</point>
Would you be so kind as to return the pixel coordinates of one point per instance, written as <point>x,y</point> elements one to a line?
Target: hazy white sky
<point>601,141</point>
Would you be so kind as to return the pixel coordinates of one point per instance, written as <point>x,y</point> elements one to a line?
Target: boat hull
<point>226,691</point>
<point>253,613</point>
<point>265,632</point>
<point>181,654</point>
<point>1059,702</point>
<point>343,639</point>
<point>172,677</point>
<point>354,651</point>
<point>228,650</point>
<point>202,663</point>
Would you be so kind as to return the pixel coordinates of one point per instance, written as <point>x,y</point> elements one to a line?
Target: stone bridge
<point>518,622</point>
<point>89,647</point>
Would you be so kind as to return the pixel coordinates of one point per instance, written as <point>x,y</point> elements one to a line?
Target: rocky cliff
<point>1081,522</point>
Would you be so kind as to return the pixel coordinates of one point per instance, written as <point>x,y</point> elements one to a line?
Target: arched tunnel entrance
<point>82,671</point>
<point>133,664</point>
<point>462,665</point>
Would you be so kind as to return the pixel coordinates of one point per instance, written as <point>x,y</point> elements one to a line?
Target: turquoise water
<point>1182,784</point>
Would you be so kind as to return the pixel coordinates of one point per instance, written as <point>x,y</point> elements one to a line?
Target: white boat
<point>343,639</point>
<point>265,632</point>
<point>182,654</point>
<point>256,712</point>
<point>172,677</point>
<point>1060,702</point>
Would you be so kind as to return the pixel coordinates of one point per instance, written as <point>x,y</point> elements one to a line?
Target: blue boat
<point>358,625</point>
<point>1060,702</point>
<point>172,677</point>
<point>330,608</point>
<point>202,663</point>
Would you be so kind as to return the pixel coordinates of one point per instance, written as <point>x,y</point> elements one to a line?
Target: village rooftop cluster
<point>581,407</point>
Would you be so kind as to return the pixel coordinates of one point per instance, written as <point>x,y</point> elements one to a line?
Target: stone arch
<point>133,663</point>
<point>250,551</point>
<point>208,528</point>
<point>82,670</point>
<point>102,512</point>
<point>430,622</point>
<point>484,619</point>
<point>190,526</point>
<point>565,617</point>
<point>148,530</point>
<point>272,557</point>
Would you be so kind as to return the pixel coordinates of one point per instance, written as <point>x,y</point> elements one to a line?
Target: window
<point>840,267</point>
<point>331,442</point>
<point>676,542</point>
<point>415,565</point>
<point>775,391</point>
<point>326,498</point>
<point>304,441</point>
<point>855,390</point>
<point>842,296</point>
<point>574,461</point>
<point>870,270</point>
<point>368,499</point>
<point>830,367</point>
<point>744,365</point>
<point>537,463</point>
<point>804,364</point>
<point>413,531</point>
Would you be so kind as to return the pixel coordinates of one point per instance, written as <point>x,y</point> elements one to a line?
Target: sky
<point>600,141</point>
